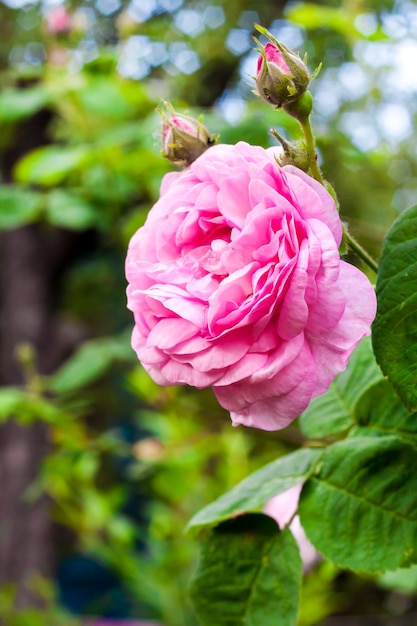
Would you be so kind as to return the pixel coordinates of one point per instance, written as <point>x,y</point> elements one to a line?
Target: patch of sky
<point>327,93</point>
<point>394,122</point>
<point>238,41</point>
<point>47,4</point>
<point>366,24</point>
<point>142,10</point>
<point>358,125</point>
<point>189,22</point>
<point>231,107</point>
<point>247,19</point>
<point>395,25</point>
<point>169,5</point>
<point>139,54</point>
<point>374,53</point>
<point>403,75</point>
<point>213,17</point>
<point>107,7</point>
<point>183,58</point>
<point>17,4</point>
<point>290,35</point>
<point>248,67</point>
<point>353,80</point>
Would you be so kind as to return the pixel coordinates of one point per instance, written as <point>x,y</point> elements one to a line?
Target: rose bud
<point>281,75</point>
<point>184,139</point>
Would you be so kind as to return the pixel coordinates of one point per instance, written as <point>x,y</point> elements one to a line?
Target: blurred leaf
<point>19,103</point>
<point>249,573</point>
<point>11,400</point>
<point>18,206</point>
<point>50,165</point>
<point>105,98</point>
<point>313,16</point>
<point>90,362</point>
<point>27,408</point>
<point>394,331</point>
<point>253,492</point>
<point>402,580</point>
<point>360,509</point>
<point>68,210</point>
<point>333,411</point>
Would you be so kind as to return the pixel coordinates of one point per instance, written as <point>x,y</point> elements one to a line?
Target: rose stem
<point>361,252</point>
<point>316,173</point>
<point>311,149</point>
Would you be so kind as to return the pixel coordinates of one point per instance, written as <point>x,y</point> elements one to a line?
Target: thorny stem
<point>311,149</point>
<point>361,252</point>
<point>316,173</point>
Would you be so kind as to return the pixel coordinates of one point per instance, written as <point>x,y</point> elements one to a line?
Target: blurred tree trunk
<point>25,537</point>
<point>30,258</point>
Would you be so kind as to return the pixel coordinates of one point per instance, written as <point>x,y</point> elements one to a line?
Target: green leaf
<point>105,99</point>
<point>333,412</point>
<point>381,410</point>
<point>253,492</point>
<point>394,330</point>
<point>11,400</point>
<point>90,362</point>
<point>50,165</point>
<point>68,210</point>
<point>360,510</point>
<point>249,573</point>
<point>16,104</point>
<point>18,206</point>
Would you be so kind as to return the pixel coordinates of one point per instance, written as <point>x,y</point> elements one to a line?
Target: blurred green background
<point>100,469</point>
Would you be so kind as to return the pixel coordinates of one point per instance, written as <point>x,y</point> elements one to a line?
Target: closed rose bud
<point>184,139</point>
<point>282,76</point>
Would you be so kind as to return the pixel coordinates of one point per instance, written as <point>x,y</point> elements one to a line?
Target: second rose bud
<point>184,138</point>
<point>282,76</point>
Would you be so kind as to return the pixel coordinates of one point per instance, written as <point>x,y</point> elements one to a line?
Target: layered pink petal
<point>235,281</point>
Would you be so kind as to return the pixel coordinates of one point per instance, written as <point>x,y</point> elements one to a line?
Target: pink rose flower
<point>236,282</point>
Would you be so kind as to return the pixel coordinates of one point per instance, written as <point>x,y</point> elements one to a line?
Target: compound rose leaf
<point>249,573</point>
<point>255,490</point>
<point>394,330</point>
<point>360,508</point>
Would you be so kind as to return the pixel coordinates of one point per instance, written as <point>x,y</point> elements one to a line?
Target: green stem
<point>311,149</point>
<point>361,252</point>
<point>302,114</point>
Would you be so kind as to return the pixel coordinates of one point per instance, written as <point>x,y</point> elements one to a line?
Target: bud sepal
<point>184,138</point>
<point>282,76</point>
